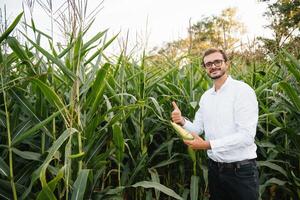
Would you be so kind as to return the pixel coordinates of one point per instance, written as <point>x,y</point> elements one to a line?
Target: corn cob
<point>181,132</point>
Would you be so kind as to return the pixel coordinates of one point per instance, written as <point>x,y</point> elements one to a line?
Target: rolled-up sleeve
<point>197,124</point>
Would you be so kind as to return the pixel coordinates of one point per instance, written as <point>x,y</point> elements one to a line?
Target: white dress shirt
<point>228,118</point>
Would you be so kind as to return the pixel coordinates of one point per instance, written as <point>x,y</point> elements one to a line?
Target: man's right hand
<point>176,115</point>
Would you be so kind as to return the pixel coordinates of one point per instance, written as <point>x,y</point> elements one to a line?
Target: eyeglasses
<point>217,63</point>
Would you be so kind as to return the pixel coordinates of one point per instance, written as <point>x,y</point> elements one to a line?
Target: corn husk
<point>182,132</point>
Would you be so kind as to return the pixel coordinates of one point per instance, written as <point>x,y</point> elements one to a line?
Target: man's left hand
<point>197,142</point>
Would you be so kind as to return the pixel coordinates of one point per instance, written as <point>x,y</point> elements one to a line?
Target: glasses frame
<point>217,63</point>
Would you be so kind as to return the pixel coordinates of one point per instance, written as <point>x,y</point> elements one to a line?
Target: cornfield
<point>77,124</point>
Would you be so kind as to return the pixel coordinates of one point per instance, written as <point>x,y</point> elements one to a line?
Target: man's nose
<point>213,65</point>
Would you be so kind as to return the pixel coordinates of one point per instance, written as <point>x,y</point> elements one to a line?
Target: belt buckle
<point>244,162</point>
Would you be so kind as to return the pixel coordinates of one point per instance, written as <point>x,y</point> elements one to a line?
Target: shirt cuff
<point>187,125</point>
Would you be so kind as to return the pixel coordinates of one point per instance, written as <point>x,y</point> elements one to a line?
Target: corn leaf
<point>150,86</point>
<point>52,151</point>
<point>194,188</point>
<point>155,178</point>
<point>118,141</point>
<point>28,109</point>
<point>31,132</point>
<point>16,47</point>
<point>38,31</point>
<point>11,27</point>
<point>158,186</point>
<point>55,60</point>
<point>51,96</point>
<point>28,155</point>
<point>80,185</point>
<point>272,166</point>
<point>4,169</point>
<point>52,184</point>
<point>293,66</point>
<point>97,89</point>
<point>99,51</point>
<point>292,94</point>
<point>94,39</point>
<point>46,193</point>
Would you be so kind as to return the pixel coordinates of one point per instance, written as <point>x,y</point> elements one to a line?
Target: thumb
<point>175,105</point>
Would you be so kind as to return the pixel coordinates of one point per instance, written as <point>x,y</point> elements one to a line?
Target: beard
<point>218,75</point>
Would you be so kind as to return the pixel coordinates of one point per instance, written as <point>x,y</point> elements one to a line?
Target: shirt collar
<point>227,82</point>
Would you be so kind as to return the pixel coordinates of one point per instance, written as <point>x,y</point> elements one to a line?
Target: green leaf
<point>4,169</point>
<point>31,132</point>
<point>158,186</point>
<point>51,96</point>
<point>157,106</point>
<point>28,155</point>
<point>150,86</point>
<point>46,193</point>
<point>118,141</point>
<point>292,94</point>
<point>272,166</point>
<point>52,184</point>
<point>38,31</point>
<point>11,27</point>
<point>94,39</point>
<point>97,89</point>
<point>262,87</point>
<point>55,60</point>
<point>99,51</point>
<point>271,181</point>
<point>194,187</point>
<point>77,155</point>
<point>294,66</point>
<point>80,185</point>
<point>155,178</point>
<point>77,51</point>
<point>171,160</point>
<point>52,151</point>
<point>192,154</point>
<point>116,190</point>
<point>16,47</point>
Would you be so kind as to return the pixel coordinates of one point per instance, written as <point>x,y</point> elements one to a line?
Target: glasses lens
<point>217,63</point>
<point>208,65</point>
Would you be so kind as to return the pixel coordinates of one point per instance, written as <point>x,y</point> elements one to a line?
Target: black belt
<point>232,165</point>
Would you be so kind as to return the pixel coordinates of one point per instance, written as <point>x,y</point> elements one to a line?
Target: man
<point>228,116</point>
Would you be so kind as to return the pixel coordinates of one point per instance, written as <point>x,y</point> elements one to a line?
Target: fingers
<point>195,135</point>
<point>176,118</point>
<point>175,105</point>
<point>188,142</point>
<point>197,142</point>
<point>176,114</point>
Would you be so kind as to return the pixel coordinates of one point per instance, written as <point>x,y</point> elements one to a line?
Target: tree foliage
<point>221,31</point>
<point>284,17</point>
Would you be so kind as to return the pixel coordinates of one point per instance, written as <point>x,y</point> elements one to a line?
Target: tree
<point>284,16</point>
<point>221,31</point>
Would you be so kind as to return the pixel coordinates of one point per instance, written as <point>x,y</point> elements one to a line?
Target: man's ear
<point>227,63</point>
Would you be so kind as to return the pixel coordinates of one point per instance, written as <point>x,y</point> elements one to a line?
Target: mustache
<point>215,69</point>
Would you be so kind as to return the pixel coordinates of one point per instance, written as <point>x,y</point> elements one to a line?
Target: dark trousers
<point>233,181</point>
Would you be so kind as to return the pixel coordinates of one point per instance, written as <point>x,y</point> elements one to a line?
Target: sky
<point>155,21</point>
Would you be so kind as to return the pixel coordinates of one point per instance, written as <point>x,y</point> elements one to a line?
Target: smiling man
<point>228,115</point>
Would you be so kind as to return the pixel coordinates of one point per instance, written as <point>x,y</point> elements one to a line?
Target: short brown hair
<point>214,50</point>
